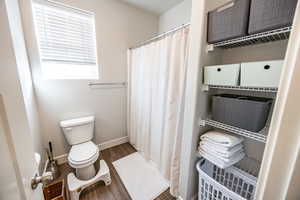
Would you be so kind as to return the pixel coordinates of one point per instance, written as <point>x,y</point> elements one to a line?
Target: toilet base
<point>86,173</point>
<point>76,186</point>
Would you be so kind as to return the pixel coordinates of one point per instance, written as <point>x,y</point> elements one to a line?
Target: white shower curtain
<point>157,77</point>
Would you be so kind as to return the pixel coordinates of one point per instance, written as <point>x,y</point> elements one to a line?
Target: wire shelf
<point>240,88</point>
<point>260,136</point>
<point>247,164</point>
<point>269,36</point>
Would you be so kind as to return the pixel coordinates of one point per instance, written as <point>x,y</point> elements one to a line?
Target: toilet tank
<point>78,130</point>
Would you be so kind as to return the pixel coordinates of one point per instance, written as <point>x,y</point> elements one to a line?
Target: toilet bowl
<point>82,158</point>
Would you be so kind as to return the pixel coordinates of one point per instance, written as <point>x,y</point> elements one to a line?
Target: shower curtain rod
<point>160,36</point>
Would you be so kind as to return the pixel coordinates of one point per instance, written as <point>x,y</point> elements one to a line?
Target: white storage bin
<point>222,75</point>
<point>261,74</point>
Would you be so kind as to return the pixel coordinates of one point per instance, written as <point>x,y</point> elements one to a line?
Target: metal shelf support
<point>268,36</point>
<point>261,136</point>
<point>240,88</point>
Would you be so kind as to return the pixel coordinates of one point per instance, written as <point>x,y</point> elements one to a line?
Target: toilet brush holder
<point>53,167</point>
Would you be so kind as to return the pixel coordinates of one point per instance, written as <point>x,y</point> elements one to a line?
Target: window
<point>67,41</point>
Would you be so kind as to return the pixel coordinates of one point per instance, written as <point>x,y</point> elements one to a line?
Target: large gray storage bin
<point>228,21</point>
<point>249,113</point>
<point>267,15</point>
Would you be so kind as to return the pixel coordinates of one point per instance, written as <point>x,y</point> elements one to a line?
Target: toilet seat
<point>83,155</point>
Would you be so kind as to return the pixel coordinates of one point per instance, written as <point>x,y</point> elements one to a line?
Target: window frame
<point>93,75</point>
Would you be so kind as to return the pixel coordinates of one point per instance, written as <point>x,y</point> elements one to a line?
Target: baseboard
<point>61,159</point>
<point>112,143</point>
<point>105,145</point>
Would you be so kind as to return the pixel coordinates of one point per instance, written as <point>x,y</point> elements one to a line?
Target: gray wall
<point>197,101</point>
<point>118,27</point>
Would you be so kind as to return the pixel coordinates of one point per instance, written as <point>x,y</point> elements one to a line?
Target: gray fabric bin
<point>268,15</point>
<point>229,21</point>
<point>249,113</point>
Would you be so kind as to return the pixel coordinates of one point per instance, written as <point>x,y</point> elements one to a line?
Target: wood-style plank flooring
<point>116,190</point>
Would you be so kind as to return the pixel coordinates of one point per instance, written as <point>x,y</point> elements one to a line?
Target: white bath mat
<point>142,180</point>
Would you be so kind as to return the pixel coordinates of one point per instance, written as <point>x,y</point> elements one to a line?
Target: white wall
<point>9,184</point>
<point>14,109</point>
<point>293,188</point>
<point>25,76</point>
<point>176,16</point>
<point>118,27</point>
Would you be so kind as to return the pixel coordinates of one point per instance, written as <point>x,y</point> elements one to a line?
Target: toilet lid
<point>83,152</point>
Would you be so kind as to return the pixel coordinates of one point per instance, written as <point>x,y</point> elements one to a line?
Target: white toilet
<point>84,153</point>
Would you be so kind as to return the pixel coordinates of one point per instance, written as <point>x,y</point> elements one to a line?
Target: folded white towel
<point>221,139</point>
<point>221,163</point>
<point>218,147</point>
<point>220,157</point>
<point>219,151</point>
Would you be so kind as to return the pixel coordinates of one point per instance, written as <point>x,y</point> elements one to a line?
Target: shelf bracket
<point>210,47</point>
<point>201,122</point>
<point>205,88</point>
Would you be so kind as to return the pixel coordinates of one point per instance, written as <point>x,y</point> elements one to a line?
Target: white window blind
<point>66,38</point>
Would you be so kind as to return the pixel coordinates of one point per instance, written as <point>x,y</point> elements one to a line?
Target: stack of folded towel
<point>222,149</point>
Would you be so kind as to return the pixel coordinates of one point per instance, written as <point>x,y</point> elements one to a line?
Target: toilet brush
<point>48,154</point>
<point>52,163</point>
<point>51,151</point>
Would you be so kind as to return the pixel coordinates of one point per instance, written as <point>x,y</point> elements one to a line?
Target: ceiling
<point>155,6</point>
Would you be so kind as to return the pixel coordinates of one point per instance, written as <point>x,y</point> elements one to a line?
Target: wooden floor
<point>115,191</point>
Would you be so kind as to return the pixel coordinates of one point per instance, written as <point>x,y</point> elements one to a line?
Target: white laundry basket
<point>224,184</point>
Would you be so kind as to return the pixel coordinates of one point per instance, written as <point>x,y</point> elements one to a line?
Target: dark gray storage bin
<point>249,113</point>
<point>228,21</point>
<point>267,15</point>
